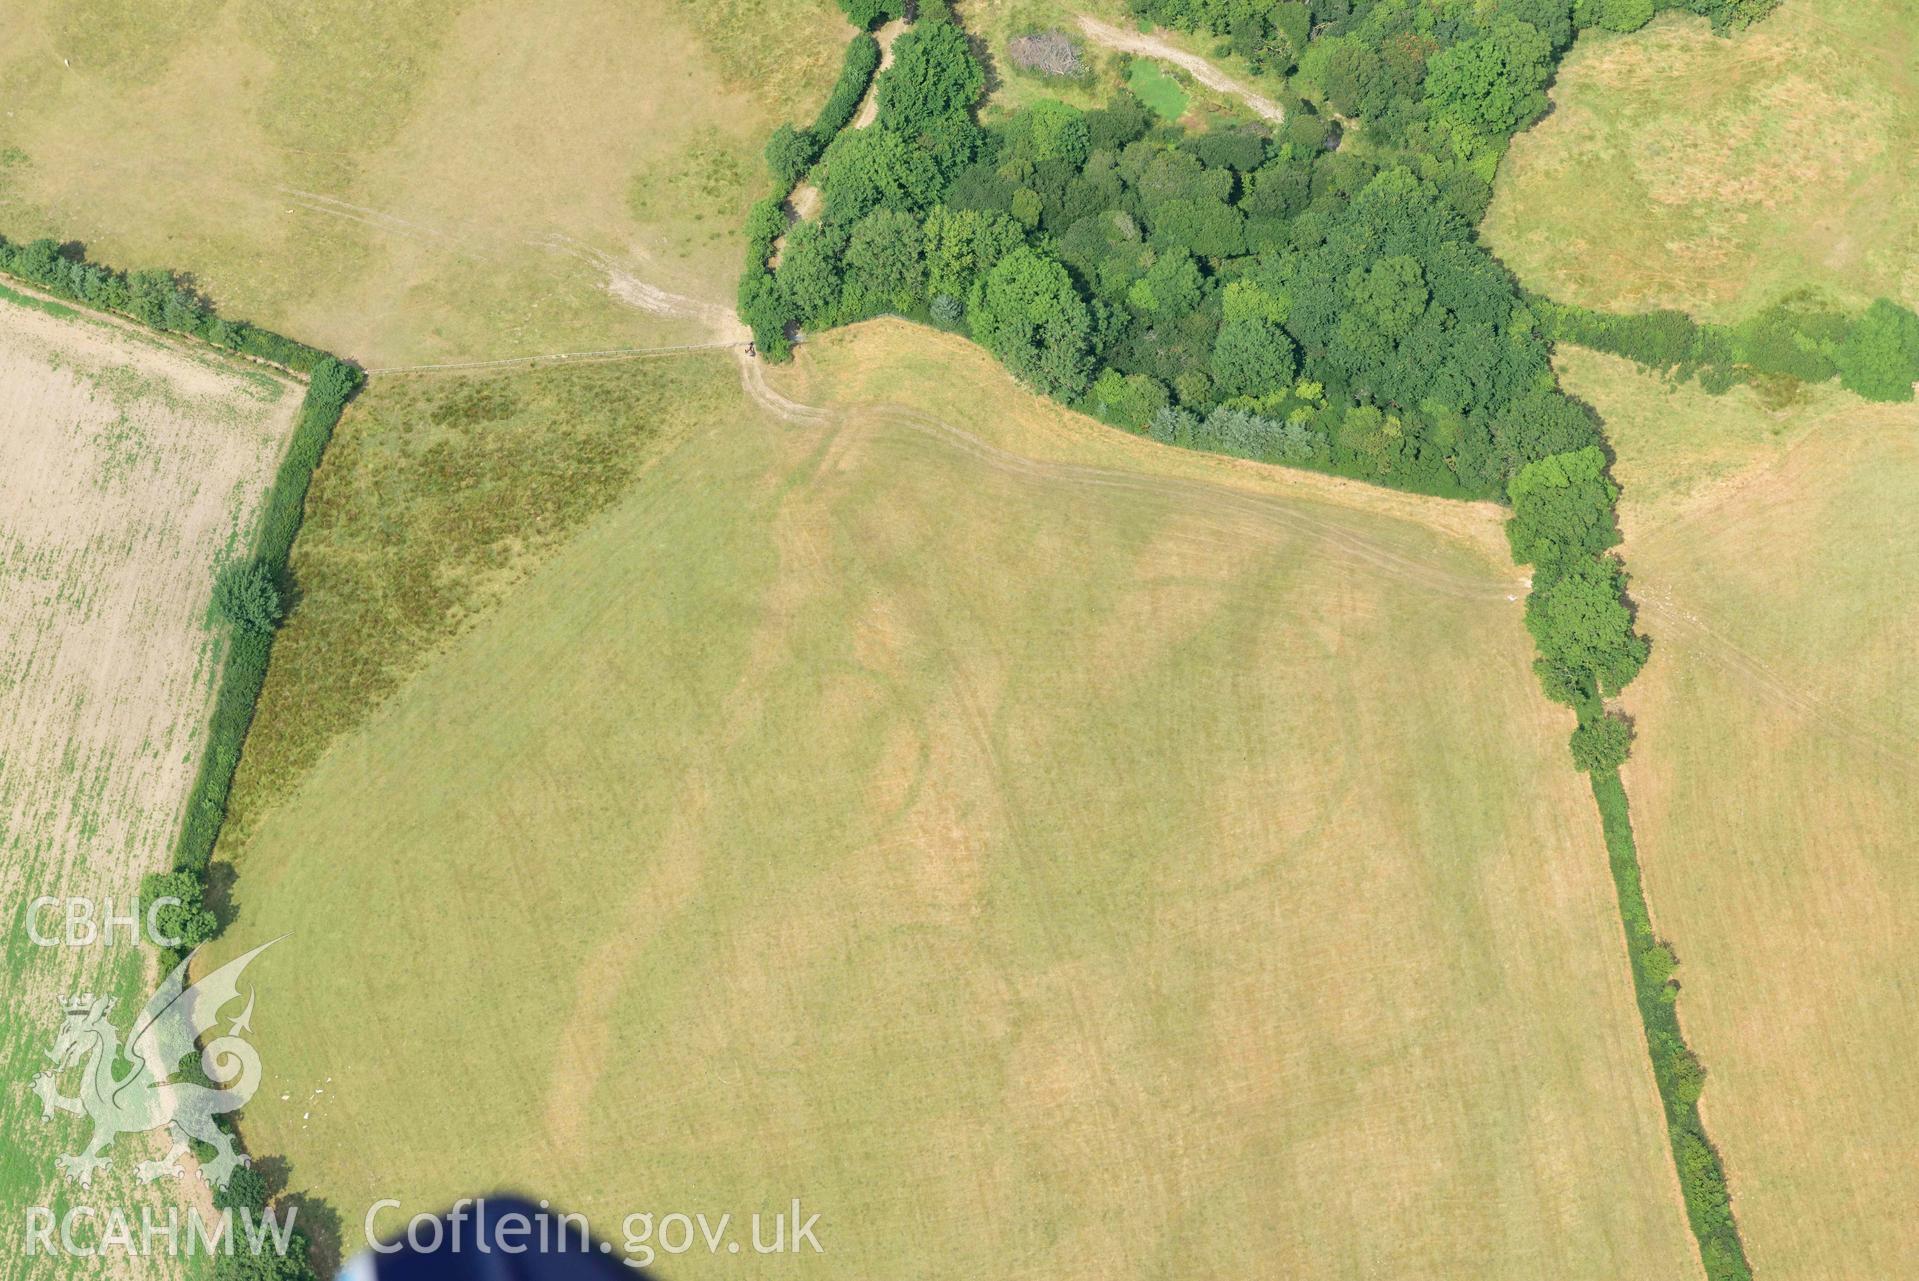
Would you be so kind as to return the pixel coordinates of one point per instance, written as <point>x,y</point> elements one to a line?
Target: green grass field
<point>441,180</point>
<point>1774,790</point>
<point>1684,170</point>
<point>1155,87</point>
<point>989,828</point>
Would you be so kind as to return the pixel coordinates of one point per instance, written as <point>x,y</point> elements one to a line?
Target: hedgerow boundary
<point>157,300</point>
<point>1702,1176</point>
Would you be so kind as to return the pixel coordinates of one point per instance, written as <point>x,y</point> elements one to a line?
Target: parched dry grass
<point>436,180</point>
<point>1681,169</point>
<point>1775,791</point>
<point>1043,854</point>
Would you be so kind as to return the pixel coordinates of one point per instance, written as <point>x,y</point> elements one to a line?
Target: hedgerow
<point>861,60</point>
<point>157,299</point>
<point>329,386</point>
<point>1874,355</point>
<point>763,305</point>
<point>1678,1074</point>
<point>790,152</point>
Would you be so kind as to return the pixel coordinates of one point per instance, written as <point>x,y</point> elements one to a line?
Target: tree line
<point>158,299</point>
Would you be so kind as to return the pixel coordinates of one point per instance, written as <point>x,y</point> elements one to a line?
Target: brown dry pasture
<point>129,468</point>
<point>1044,853</point>
<point>1775,790</point>
<point>1683,169</point>
<point>437,180</point>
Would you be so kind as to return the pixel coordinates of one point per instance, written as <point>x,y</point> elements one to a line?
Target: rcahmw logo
<point>87,1232</point>
<point>126,1089</point>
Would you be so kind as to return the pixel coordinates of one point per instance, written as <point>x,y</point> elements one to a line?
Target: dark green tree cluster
<point>1563,525</point>
<point>870,13</point>
<point>867,252</point>
<point>247,1193</point>
<point>190,920</point>
<point>924,132</point>
<point>791,151</point>
<point>245,595</point>
<point>1336,303</point>
<point>1342,312</point>
<point>1279,35</point>
<point>1879,358</point>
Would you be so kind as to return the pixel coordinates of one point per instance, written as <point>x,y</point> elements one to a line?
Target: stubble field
<point>128,468</point>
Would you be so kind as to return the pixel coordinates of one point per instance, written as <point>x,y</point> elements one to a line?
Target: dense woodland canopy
<point>1311,293</point>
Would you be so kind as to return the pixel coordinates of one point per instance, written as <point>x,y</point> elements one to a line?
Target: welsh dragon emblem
<point>127,1090</point>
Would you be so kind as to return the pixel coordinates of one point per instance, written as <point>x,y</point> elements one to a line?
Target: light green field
<point>1044,854</point>
<point>1775,792</point>
<point>427,181</point>
<point>1713,175</point>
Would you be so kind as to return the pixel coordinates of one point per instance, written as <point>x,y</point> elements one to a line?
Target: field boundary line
<point>584,357</point>
<point>155,304</point>
<point>172,339</point>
